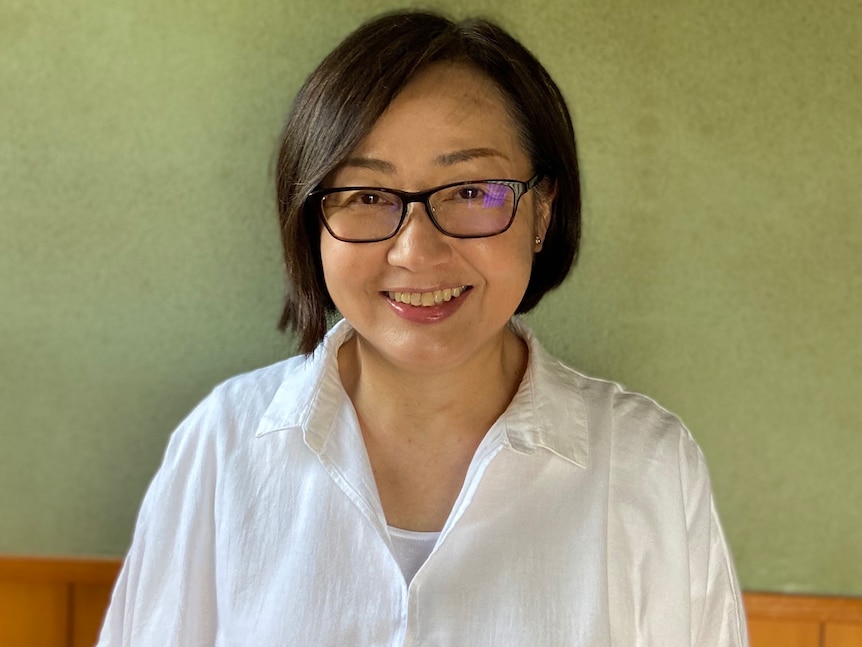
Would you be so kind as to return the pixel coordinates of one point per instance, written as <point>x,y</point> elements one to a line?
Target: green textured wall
<point>721,146</point>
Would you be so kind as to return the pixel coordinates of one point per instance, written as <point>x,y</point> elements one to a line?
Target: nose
<point>419,244</point>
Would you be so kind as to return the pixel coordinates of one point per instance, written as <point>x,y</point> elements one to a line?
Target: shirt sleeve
<point>717,613</point>
<point>165,593</point>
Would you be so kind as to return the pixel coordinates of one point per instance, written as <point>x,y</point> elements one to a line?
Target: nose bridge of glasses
<point>423,198</point>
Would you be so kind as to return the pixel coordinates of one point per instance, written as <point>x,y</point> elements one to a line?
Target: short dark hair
<point>342,99</point>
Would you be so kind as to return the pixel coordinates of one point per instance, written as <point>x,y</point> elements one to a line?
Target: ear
<point>544,208</point>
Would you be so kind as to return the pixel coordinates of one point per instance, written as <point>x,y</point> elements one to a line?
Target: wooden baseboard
<point>54,601</point>
<point>804,607</point>
<point>85,570</point>
<point>776,620</point>
<point>60,602</point>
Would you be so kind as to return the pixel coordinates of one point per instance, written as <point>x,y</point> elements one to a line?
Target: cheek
<point>347,267</point>
<point>510,266</point>
<point>335,262</point>
<point>336,257</point>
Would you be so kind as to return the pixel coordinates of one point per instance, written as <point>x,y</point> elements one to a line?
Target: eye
<point>364,198</point>
<point>368,198</point>
<point>472,192</point>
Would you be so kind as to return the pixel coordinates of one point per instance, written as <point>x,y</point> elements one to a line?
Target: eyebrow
<point>446,159</point>
<point>369,163</point>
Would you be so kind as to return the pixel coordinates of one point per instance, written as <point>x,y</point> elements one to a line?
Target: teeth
<point>426,299</point>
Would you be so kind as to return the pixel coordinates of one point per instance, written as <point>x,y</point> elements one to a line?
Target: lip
<point>426,314</point>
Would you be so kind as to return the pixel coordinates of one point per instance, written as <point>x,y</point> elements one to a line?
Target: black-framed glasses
<point>478,209</point>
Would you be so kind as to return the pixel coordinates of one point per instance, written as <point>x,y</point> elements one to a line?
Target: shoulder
<point>272,397</point>
<point>254,390</point>
<point>630,414</point>
<point>637,426</point>
<point>251,392</point>
<point>280,389</point>
<point>649,452</point>
<point>606,418</point>
<point>235,407</point>
<point>622,426</point>
<point>607,406</point>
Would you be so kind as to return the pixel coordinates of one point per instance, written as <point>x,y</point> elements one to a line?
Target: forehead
<point>443,109</point>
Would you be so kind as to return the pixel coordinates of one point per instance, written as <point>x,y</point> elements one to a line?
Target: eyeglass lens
<point>476,209</point>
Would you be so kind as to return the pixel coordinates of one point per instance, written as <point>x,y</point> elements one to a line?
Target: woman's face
<point>449,124</point>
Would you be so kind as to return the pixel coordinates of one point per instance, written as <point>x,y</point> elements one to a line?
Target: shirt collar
<point>547,412</point>
<point>311,396</point>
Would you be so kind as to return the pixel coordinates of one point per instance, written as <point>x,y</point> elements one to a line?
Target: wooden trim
<point>57,598</point>
<point>842,635</point>
<point>803,607</point>
<point>78,570</point>
<point>54,601</point>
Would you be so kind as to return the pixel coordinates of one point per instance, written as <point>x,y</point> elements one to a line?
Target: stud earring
<point>538,241</point>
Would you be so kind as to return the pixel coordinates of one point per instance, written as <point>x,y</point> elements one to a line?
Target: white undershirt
<point>411,548</point>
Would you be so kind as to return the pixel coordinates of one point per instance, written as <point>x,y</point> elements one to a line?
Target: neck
<point>455,404</point>
<point>421,428</point>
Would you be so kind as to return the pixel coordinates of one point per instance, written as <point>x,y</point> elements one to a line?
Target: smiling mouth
<point>427,299</point>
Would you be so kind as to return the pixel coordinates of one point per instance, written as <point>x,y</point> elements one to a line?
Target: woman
<point>426,473</point>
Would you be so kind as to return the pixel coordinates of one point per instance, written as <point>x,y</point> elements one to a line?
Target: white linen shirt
<point>586,518</point>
